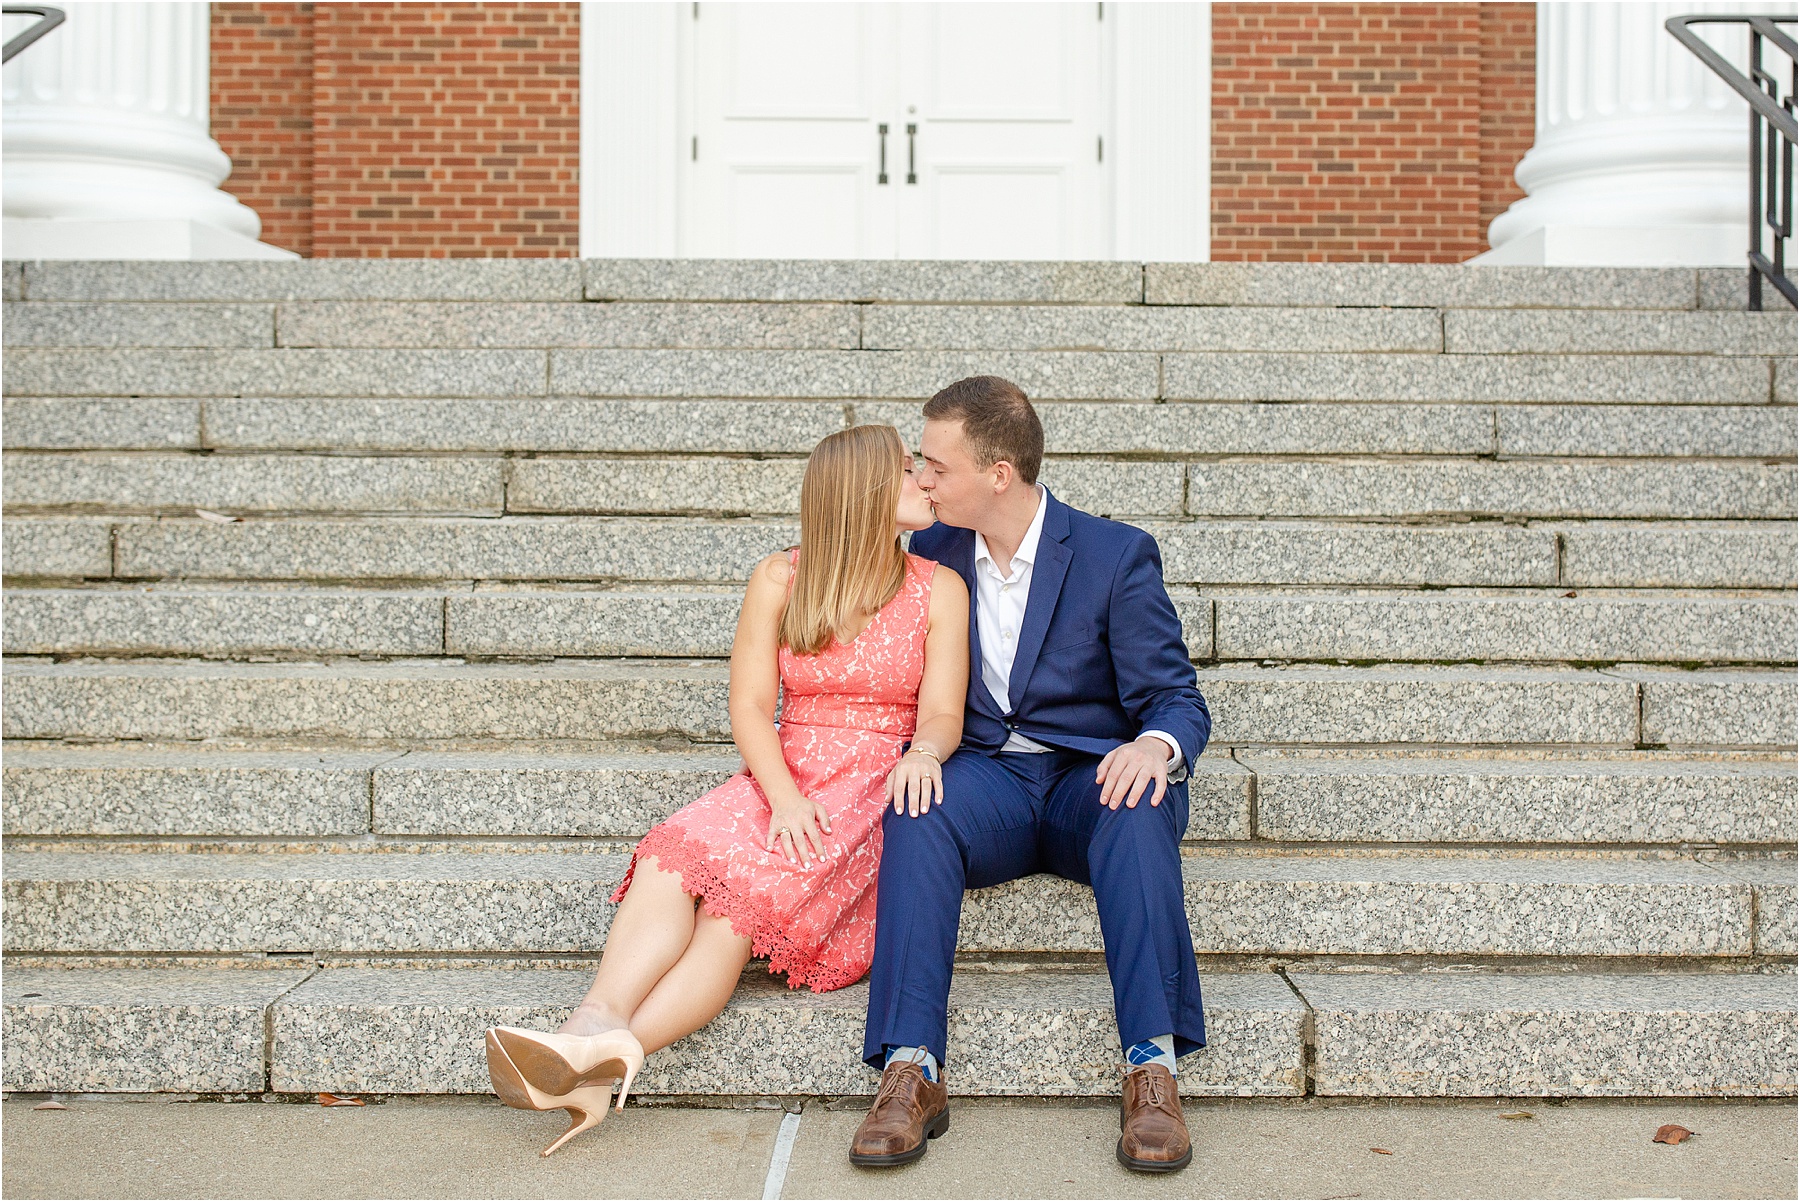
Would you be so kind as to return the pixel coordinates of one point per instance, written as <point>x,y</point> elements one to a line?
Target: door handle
<point>881,175</point>
<point>911,133</point>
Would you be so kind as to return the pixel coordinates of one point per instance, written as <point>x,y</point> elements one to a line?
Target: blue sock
<point>1158,1049</point>
<point>918,1056</point>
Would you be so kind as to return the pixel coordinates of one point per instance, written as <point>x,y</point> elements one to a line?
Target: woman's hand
<point>915,782</point>
<point>798,828</point>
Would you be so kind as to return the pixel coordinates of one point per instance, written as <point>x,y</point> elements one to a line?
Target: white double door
<point>916,131</point>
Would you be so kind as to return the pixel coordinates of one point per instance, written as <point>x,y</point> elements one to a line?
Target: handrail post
<point>31,33</point>
<point>1771,164</point>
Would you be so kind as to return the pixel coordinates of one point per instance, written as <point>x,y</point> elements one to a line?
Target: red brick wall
<point>1356,132</point>
<point>1508,102</point>
<point>262,113</point>
<point>436,130</point>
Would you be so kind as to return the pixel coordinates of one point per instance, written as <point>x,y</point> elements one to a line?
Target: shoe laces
<point>1152,1086</point>
<point>893,1084</point>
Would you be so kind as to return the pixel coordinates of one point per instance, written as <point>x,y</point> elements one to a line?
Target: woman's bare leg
<point>694,990</point>
<point>651,929</point>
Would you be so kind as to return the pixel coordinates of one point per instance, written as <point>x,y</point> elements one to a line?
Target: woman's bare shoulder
<point>947,584</point>
<point>774,568</point>
<point>949,596</point>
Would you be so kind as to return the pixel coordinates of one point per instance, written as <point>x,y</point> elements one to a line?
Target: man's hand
<point>1127,770</point>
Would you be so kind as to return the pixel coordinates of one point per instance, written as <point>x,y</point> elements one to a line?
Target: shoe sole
<point>1154,1166</point>
<point>508,1082</point>
<point>544,1069</point>
<point>936,1127</point>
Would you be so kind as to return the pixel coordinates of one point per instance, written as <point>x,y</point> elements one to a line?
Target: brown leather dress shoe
<point>1153,1136</point>
<point>908,1110</point>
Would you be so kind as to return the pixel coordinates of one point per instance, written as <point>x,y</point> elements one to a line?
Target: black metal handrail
<point>52,18</point>
<point>1772,137</point>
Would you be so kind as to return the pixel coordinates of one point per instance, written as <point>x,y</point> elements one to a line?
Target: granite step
<point>1675,554</point>
<point>871,281</point>
<point>1486,488</point>
<point>1542,331</point>
<point>1639,799</point>
<point>138,324</point>
<point>599,425</point>
<point>458,899</point>
<point>1285,553</point>
<point>182,789</point>
<point>1242,328</point>
<point>139,1030</point>
<point>150,482</point>
<point>423,701</point>
<point>1567,626</point>
<point>341,1030</point>
<point>1643,798</point>
<point>1249,488</point>
<point>458,324</point>
<point>650,621</point>
<point>887,374</point>
<point>1563,1035</point>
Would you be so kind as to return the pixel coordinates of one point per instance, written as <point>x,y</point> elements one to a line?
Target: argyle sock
<point>917,1056</point>
<point>1158,1049</point>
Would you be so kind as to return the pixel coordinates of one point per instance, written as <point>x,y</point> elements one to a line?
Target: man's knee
<point>900,827</point>
<point>1143,824</point>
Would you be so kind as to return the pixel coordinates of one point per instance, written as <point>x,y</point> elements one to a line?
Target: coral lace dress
<point>846,714</point>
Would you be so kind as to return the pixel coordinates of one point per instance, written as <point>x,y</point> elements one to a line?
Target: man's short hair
<point>998,423</point>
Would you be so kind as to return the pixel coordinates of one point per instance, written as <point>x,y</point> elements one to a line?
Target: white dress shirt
<point>1000,615</point>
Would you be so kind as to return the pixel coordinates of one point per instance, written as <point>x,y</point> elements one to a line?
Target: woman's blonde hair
<point>851,561</point>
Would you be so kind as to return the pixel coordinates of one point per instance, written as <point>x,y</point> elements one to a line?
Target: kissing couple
<point>1010,696</point>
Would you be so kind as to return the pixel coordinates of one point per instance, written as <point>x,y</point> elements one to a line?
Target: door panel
<point>796,60</point>
<point>1009,117</point>
<point>1004,104</point>
<point>995,213</point>
<point>796,213</point>
<point>785,99</point>
<point>998,61</point>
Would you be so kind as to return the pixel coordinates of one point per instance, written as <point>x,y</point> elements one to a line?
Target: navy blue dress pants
<point>1007,815</point>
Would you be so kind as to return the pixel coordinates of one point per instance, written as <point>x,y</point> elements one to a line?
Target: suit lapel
<point>1047,575</point>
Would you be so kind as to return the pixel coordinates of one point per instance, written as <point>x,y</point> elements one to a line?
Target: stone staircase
<point>1489,575</point>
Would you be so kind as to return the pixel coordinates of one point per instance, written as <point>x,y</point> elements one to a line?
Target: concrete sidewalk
<point>1315,1148</point>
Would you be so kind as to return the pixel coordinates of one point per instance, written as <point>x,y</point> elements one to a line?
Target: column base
<point>49,238</point>
<point>1623,246</point>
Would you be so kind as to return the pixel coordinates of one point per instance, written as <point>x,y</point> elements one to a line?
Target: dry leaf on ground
<point>1381,1151</point>
<point>222,518</point>
<point>331,1099</point>
<point>1670,1133</point>
<point>1517,1114</point>
<point>49,1106</point>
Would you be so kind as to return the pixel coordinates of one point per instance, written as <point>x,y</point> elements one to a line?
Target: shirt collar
<point>1028,546</point>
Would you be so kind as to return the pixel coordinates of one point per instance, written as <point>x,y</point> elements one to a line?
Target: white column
<point>632,72</point>
<point>1161,142</point>
<point>106,146</point>
<point>1642,153</point>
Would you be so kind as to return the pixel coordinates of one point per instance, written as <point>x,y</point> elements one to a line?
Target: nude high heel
<point>556,1064</point>
<point>586,1104</point>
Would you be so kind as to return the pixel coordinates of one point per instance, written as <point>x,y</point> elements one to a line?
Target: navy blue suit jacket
<point>1100,657</point>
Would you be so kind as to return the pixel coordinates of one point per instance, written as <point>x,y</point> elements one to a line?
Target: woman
<point>868,647</point>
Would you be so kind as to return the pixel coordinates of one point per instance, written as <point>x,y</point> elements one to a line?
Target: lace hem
<point>691,860</point>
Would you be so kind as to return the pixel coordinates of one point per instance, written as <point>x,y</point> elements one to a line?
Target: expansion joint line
<point>1308,1034</point>
<point>784,1152</point>
<point>268,1057</point>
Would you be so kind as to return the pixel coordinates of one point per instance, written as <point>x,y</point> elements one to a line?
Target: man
<point>1082,722</point>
